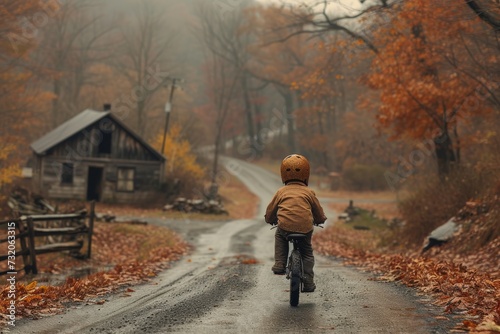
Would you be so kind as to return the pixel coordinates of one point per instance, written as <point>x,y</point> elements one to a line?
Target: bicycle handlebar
<point>275,225</point>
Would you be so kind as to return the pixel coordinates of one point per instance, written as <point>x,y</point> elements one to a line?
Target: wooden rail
<point>27,233</point>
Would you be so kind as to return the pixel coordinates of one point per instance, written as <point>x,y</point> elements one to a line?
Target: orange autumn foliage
<point>422,70</point>
<point>181,161</point>
<point>8,165</point>
<point>18,32</point>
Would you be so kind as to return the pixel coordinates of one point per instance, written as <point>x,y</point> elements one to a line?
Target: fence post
<point>31,242</point>
<point>22,229</point>
<point>91,228</point>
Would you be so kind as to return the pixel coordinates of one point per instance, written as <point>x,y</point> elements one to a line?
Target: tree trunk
<point>78,83</point>
<point>56,103</point>
<point>444,154</point>
<point>248,113</point>
<point>141,117</point>
<point>457,149</point>
<point>340,99</point>
<point>323,151</point>
<point>290,121</point>
<point>484,14</point>
<point>258,127</point>
<point>216,158</point>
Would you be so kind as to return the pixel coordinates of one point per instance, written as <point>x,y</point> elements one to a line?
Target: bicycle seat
<point>296,236</point>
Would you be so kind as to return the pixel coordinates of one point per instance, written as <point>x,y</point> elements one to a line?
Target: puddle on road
<point>58,279</point>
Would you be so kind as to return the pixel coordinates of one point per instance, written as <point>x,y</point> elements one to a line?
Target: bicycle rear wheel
<point>295,277</point>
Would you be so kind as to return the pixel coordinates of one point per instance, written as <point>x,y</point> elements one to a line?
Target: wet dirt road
<point>212,291</point>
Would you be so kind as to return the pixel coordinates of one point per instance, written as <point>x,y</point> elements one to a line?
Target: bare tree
<point>323,17</point>
<point>223,73</point>
<point>73,40</point>
<point>278,56</point>
<point>145,51</point>
<point>230,42</point>
<point>488,12</point>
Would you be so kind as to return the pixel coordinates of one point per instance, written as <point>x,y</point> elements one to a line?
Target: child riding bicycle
<point>295,209</point>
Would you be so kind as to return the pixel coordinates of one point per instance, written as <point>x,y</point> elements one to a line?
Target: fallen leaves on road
<point>249,261</point>
<point>245,259</point>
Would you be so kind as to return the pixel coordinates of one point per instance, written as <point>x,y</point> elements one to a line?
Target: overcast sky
<point>342,6</point>
<point>347,3</point>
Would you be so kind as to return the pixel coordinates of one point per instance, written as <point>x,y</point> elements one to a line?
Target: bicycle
<point>294,268</point>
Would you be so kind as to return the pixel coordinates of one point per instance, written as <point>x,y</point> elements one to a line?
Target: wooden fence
<point>60,232</point>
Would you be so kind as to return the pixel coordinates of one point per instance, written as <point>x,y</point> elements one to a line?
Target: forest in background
<point>390,94</point>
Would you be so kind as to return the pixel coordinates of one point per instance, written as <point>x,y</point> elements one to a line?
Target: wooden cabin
<point>95,156</point>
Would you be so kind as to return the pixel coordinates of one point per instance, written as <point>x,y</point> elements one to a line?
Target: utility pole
<point>168,109</point>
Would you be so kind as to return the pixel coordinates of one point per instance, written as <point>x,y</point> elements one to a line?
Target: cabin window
<point>105,144</point>
<point>67,173</point>
<point>125,179</point>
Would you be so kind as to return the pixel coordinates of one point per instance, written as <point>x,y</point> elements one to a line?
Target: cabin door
<point>94,183</point>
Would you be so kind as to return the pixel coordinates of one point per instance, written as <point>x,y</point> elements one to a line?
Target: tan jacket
<point>296,208</point>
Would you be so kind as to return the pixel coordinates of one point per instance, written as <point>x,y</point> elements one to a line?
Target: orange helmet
<point>295,167</point>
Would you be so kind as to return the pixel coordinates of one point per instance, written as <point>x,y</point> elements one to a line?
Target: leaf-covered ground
<point>136,252</point>
<point>465,283</point>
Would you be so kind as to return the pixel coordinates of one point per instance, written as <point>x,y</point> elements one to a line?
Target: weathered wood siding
<point>146,180</point>
<point>37,172</point>
<point>146,184</point>
<point>86,144</point>
<point>51,185</point>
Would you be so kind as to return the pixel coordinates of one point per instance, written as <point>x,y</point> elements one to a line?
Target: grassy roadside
<point>271,165</point>
<point>239,202</point>
<point>368,231</point>
<point>387,211</point>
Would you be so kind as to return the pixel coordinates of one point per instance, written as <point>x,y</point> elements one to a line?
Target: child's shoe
<point>308,287</point>
<point>278,269</point>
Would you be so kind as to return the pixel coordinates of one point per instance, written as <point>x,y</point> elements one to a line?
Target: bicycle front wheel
<point>295,279</point>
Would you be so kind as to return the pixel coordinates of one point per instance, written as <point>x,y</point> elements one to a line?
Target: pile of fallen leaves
<point>138,253</point>
<point>465,283</point>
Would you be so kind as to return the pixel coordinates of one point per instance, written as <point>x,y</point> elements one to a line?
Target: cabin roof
<point>78,123</point>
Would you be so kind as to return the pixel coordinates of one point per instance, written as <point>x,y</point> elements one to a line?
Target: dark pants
<point>281,253</point>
